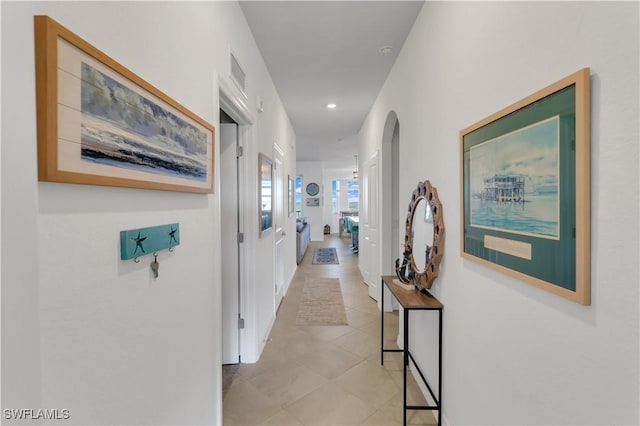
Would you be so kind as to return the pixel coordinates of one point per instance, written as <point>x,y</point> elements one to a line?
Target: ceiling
<point>321,52</point>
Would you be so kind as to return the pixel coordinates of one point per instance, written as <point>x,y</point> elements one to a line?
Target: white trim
<point>231,101</point>
<point>233,104</point>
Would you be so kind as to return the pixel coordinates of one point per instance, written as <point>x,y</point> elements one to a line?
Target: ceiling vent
<point>237,73</point>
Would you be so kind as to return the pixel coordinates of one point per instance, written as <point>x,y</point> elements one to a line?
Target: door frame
<point>279,229</point>
<point>230,267</point>
<point>232,102</point>
<point>390,203</point>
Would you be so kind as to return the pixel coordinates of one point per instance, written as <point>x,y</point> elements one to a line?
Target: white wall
<point>81,329</point>
<point>311,171</point>
<point>515,354</point>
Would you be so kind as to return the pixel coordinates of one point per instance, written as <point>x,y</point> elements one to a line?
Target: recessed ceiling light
<point>331,106</point>
<point>385,50</point>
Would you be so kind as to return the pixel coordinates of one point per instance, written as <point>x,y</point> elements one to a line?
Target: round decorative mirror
<point>313,189</point>
<point>424,238</point>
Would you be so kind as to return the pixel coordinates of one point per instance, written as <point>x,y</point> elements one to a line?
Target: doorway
<point>230,236</point>
<point>372,226</point>
<point>391,235</point>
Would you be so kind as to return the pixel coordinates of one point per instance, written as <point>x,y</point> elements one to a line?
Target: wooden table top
<point>411,299</point>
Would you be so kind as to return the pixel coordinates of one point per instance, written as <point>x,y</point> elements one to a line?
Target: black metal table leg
<point>405,343</point>
<point>382,323</point>
<point>413,300</point>
<point>440,367</point>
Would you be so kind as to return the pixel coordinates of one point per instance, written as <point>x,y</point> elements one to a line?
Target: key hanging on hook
<point>155,266</point>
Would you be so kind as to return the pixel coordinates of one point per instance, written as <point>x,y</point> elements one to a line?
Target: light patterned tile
<point>228,419</point>
<point>353,284</point>
<point>381,418</point>
<point>414,393</point>
<point>392,412</point>
<point>295,380</point>
<point>351,300</point>
<point>327,333</point>
<point>373,327</point>
<point>273,357</point>
<point>296,344</point>
<point>330,363</point>
<point>368,381</point>
<point>283,418</point>
<point>245,405</point>
<point>329,405</point>
<point>359,343</point>
<point>287,384</point>
<point>358,319</point>
<point>284,329</point>
<point>392,360</point>
<point>368,306</point>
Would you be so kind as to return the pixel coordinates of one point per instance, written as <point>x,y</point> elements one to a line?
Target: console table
<point>413,300</point>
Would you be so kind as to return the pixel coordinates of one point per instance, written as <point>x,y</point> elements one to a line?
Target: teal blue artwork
<point>515,181</point>
<point>139,242</point>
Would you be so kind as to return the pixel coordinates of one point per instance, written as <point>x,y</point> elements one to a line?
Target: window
<point>298,192</point>
<point>345,195</point>
<point>353,194</point>
<point>335,196</point>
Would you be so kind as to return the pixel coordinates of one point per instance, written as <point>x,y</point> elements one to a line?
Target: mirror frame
<point>265,172</point>
<point>423,280</point>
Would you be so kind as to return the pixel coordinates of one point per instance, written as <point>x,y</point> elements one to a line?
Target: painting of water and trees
<point>514,181</point>
<point>121,128</point>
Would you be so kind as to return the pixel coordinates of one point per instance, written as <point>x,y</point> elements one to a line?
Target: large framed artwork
<point>525,195</point>
<point>101,124</point>
<point>292,199</point>
<point>265,194</point>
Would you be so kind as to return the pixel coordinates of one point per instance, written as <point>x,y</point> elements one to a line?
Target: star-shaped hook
<point>139,241</point>
<point>172,235</point>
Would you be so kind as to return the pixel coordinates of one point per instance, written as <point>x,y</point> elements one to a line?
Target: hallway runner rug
<point>325,256</point>
<point>321,303</point>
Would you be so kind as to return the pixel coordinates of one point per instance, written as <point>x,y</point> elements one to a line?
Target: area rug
<point>325,256</point>
<point>321,303</point>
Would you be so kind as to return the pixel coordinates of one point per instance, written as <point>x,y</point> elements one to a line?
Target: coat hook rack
<point>135,243</point>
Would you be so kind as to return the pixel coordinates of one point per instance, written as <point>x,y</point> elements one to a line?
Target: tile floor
<point>324,375</point>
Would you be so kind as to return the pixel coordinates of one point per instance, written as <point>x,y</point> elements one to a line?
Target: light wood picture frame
<point>525,189</point>
<point>265,194</point>
<point>292,196</point>
<point>98,123</point>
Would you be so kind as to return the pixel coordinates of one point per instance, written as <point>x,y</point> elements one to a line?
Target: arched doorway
<point>390,204</point>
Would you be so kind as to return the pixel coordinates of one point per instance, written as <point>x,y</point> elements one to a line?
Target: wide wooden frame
<point>559,264</point>
<point>165,147</point>
<point>423,279</point>
<point>292,195</point>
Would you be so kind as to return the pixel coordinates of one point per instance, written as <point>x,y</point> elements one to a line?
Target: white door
<point>373,228</point>
<point>363,231</point>
<point>229,234</point>
<point>279,199</point>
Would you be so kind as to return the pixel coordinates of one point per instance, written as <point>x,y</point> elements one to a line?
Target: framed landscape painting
<point>292,194</point>
<point>525,195</point>
<point>265,194</point>
<point>101,124</point>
